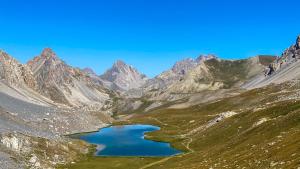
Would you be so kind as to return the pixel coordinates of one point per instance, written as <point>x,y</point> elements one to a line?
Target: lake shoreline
<point>134,142</point>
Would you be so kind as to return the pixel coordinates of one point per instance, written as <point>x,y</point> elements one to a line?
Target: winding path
<point>187,146</point>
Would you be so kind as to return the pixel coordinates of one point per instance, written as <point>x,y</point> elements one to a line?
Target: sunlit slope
<point>264,132</point>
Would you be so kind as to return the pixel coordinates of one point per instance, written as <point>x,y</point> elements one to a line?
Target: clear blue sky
<point>148,34</point>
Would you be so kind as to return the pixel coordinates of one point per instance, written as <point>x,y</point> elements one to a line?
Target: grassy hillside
<point>266,59</point>
<point>265,133</point>
<point>228,72</point>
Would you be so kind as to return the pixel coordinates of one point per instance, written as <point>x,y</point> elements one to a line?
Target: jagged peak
<point>119,64</point>
<point>48,53</point>
<point>4,54</point>
<point>124,76</point>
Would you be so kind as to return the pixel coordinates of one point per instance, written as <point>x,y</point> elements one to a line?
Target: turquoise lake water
<point>127,140</point>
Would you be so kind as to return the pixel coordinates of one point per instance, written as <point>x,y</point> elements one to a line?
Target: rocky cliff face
<point>15,73</point>
<point>65,84</point>
<point>182,67</point>
<point>125,77</point>
<point>292,52</point>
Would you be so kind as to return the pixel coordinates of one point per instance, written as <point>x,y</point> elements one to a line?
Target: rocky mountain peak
<point>48,53</point>
<point>47,58</point>
<point>119,64</point>
<point>63,83</point>
<point>203,58</point>
<point>15,73</point>
<point>124,76</point>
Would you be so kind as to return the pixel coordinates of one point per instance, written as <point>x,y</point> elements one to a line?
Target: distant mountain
<point>125,77</point>
<point>181,68</point>
<point>163,81</point>
<point>216,73</point>
<point>65,84</point>
<point>207,72</point>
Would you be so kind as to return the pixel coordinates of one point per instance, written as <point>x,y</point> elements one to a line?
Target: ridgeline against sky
<point>151,35</point>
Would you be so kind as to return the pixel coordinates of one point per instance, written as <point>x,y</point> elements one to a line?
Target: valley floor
<point>256,129</point>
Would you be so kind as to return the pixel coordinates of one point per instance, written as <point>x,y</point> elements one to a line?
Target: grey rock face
<point>15,73</point>
<point>292,52</point>
<point>182,67</point>
<point>124,76</point>
<point>65,84</point>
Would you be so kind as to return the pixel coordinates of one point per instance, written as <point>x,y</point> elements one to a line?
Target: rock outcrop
<point>285,68</point>
<point>298,43</point>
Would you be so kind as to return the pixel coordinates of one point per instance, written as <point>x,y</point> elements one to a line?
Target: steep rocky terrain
<point>286,68</point>
<point>64,84</point>
<point>33,122</point>
<point>14,73</point>
<point>124,77</point>
<point>97,79</point>
<point>18,81</point>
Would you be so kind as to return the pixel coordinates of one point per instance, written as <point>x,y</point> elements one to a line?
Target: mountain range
<point>45,99</point>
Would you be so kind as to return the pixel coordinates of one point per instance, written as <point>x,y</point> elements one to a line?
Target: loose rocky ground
<point>29,132</point>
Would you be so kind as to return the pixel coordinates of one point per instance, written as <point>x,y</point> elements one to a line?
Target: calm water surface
<point>127,140</point>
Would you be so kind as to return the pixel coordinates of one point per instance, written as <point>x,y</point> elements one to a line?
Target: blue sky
<point>148,34</point>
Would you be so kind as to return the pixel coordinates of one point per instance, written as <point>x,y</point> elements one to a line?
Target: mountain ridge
<point>63,83</point>
<point>47,98</point>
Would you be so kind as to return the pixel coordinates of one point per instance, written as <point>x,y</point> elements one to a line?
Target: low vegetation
<point>264,133</point>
